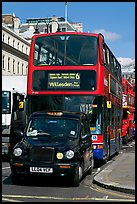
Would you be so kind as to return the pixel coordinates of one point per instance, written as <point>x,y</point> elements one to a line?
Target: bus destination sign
<point>64,80</point>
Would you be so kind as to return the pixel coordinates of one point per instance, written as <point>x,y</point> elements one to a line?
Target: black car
<point>53,144</point>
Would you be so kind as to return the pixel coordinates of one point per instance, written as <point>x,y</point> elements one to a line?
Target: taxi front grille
<point>42,154</point>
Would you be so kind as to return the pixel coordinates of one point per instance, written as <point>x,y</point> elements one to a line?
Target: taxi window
<point>63,127</point>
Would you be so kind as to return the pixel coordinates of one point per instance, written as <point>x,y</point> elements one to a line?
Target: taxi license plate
<point>41,170</point>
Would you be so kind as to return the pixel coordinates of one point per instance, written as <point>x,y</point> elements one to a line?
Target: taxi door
<point>86,145</point>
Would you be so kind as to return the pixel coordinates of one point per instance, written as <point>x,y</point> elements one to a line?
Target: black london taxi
<point>54,144</point>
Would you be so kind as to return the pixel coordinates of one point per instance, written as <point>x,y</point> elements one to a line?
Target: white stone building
<point>15,52</point>
<point>47,25</point>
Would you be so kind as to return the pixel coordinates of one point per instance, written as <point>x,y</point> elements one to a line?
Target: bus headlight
<point>69,154</point>
<point>17,152</point>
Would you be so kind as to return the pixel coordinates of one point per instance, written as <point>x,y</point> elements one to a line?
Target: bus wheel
<point>125,139</point>
<point>108,153</point>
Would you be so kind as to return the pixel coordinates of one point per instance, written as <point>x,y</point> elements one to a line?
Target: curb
<point>112,187</point>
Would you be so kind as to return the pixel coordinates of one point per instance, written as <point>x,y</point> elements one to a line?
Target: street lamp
<point>58,28</point>
<point>36,29</point>
<point>48,27</point>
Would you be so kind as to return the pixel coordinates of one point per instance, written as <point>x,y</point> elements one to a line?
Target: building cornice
<point>6,29</point>
<point>14,51</point>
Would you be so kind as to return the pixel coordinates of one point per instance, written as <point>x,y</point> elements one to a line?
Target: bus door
<point>6,120</point>
<point>106,128</point>
<point>113,130</point>
<point>118,128</point>
<point>95,117</point>
<point>6,111</point>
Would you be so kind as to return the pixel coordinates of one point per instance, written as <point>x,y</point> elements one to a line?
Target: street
<point>59,190</point>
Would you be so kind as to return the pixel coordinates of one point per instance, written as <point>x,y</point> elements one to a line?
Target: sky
<point>115,20</point>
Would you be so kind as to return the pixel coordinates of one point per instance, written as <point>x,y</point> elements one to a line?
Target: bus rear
<point>128,105</point>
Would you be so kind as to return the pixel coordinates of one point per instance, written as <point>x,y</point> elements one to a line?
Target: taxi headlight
<point>17,152</point>
<point>59,155</point>
<point>69,154</point>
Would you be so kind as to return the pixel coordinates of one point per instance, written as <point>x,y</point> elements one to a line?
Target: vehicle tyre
<point>108,154</point>
<point>91,168</point>
<point>78,176</point>
<point>15,179</point>
<point>89,171</point>
<point>125,140</point>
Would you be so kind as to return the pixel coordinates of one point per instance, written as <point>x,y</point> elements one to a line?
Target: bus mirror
<point>21,105</point>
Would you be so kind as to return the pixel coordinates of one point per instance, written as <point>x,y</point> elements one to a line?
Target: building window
<point>18,68</point>
<point>22,68</point>
<point>63,29</point>
<point>13,66</point>
<point>3,37</point>
<point>26,50</point>
<point>22,47</point>
<point>8,40</point>
<point>3,62</point>
<point>108,56</point>
<point>18,46</point>
<point>26,69</point>
<point>13,43</point>
<point>8,64</point>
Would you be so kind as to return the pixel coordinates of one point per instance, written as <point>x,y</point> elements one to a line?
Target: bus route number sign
<point>64,81</point>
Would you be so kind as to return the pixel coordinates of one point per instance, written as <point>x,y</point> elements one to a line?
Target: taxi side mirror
<point>86,138</point>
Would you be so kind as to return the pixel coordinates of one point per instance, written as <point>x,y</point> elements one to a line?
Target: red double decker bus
<point>128,104</point>
<point>76,71</point>
<point>133,84</point>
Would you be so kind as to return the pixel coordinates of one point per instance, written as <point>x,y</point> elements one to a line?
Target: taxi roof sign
<point>55,113</point>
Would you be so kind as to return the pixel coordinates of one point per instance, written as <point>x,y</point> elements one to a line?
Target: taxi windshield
<point>52,127</point>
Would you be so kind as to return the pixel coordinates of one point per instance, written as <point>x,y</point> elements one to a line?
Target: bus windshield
<point>65,50</point>
<point>6,102</point>
<point>89,104</point>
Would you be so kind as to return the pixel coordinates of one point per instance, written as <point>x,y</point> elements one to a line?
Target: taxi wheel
<point>15,179</point>
<point>78,176</point>
<point>91,168</point>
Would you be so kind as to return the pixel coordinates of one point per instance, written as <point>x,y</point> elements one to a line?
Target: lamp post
<point>52,21</point>
<point>36,29</point>
<point>66,11</point>
<point>48,27</point>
